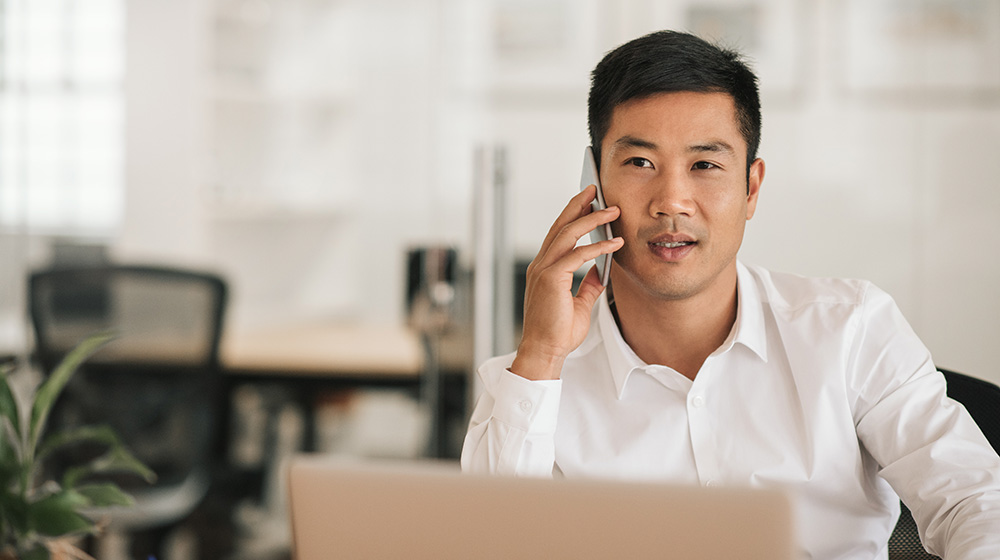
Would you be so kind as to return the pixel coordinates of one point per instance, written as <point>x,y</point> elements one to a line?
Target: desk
<point>325,350</point>
<point>313,357</point>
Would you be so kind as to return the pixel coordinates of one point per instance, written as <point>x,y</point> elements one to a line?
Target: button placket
<point>700,422</point>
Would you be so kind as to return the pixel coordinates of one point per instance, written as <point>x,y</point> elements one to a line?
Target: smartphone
<point>589,176</point>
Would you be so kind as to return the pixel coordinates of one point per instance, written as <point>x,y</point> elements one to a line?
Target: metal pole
<point>484,259</point>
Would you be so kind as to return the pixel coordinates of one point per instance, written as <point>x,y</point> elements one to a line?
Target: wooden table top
<point>325,350</point>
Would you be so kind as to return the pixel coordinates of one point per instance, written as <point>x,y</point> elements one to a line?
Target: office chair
<point>157,384</point>
<point>982,400</point>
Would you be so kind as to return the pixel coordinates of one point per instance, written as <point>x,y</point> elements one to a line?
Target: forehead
<point>677,118</point>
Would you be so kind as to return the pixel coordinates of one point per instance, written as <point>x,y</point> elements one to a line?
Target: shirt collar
<point>748,330</point>
<point>622,360</point>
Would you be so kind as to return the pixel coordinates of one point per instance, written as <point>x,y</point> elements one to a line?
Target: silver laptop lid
<point>429,510</point>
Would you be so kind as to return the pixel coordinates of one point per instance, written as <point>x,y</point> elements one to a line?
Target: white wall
<point>902,192</point>
<point>165,141</point>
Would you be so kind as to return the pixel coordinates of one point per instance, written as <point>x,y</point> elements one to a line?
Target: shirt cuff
<point>532,406</point>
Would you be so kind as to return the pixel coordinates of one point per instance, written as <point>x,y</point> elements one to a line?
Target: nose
<point>671,195</point>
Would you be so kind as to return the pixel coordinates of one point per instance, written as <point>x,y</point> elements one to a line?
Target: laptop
<point>429,510</point>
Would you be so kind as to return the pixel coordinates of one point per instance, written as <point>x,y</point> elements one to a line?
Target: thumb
<point>590,289</point>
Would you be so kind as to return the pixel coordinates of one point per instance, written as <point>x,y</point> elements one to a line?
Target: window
<point>62,115</point>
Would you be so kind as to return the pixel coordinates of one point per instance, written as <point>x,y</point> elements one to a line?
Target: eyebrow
<point>716,146</point>
<point>628,141</point>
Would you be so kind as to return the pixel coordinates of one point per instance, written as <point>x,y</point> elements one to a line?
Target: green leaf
<point>117,459</point>
<point>11,437</point>
<point>104,494</point>
<point>49,391</point>
<point>69,436</point>
<point>56,514</point>
<point>10,456</point>
<point>8,404</point>
<point>10,470</point>
<point>15,511</point>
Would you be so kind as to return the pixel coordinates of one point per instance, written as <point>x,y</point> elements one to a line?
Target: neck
<point>677,333</point>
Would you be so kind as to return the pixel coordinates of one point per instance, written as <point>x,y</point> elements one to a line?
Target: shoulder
<point>790,292</point>
<point>851,314</point>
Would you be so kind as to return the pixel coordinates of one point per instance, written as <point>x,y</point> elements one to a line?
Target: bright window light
<point>62,115</point>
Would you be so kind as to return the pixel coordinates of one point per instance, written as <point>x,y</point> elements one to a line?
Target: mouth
<point>672,248</point>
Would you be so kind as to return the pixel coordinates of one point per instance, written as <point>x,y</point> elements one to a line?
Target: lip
<point>672,238</point>
<point>659,246</point>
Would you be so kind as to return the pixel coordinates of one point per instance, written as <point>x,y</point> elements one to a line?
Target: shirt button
<point>698,401</point>
<point>525,406</point>
<point>711,483</point>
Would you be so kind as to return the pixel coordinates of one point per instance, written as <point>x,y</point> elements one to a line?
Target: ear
<point>754,180</point>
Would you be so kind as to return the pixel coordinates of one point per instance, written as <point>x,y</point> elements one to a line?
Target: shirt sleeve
<point>513,425</point>
<point>929,448</point>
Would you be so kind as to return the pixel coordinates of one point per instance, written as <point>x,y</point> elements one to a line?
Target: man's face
<point>675,163</point>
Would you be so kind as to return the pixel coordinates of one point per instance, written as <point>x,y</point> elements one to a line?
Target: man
<point>695,368</point>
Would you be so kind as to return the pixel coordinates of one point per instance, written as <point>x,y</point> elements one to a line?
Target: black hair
<point>671,61</point>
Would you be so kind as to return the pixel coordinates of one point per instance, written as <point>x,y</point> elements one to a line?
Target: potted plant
<point>40,518</point>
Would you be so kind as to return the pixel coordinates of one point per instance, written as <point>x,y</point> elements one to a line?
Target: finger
<point>577,206</point>
<point>571,234</point>
<point>591,286</point>
<point>573,260</point>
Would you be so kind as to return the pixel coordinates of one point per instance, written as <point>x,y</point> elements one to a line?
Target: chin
<point>657,285</point>
<point>673,291</point>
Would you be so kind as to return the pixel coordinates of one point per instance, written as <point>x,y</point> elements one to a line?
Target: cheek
<point>617,229</point>
<point>626,228</point>
<point>732,220</point>
<point>727,204</point>
<point>631,197</point>
<point>611,198</point>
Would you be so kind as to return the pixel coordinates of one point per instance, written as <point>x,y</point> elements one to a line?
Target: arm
<point>930,450</point>
<point>512,427</point>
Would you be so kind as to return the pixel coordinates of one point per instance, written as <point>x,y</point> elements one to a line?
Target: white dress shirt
<point>821,389</point>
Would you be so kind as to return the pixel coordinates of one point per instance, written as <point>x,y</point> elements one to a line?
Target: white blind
<point>62,115</point>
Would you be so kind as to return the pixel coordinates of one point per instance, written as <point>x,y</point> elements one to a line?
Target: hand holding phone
<point>589,176</point>
<point>556,321</point>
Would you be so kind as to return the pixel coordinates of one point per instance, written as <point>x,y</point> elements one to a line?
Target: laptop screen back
<point>411,510</point>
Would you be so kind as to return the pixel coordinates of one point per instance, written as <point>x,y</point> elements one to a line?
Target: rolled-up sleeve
<point>513,425</point>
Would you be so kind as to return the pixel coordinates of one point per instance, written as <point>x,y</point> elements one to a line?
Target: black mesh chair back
<point>162,316</point>
<point>982,400</point>
<point>156,384</point>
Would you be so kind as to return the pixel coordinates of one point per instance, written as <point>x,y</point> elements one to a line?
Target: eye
<point>640,162</point>
<point>704,165</point>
